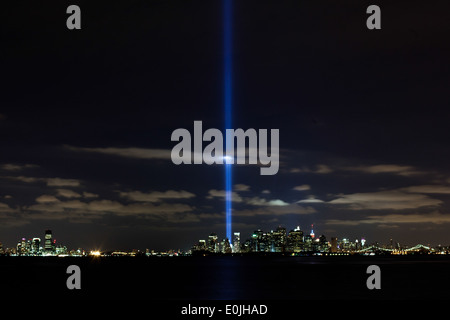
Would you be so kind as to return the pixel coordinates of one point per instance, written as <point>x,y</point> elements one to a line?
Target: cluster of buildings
<point>36,247</point>
<point>278,240</point>
<point>294,242</point>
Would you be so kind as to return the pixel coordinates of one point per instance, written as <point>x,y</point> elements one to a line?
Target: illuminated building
<point>345,245</point>
<point>212,243</point>
<point>294,241</point>
<point>334,244</point>
<point>322,244</point>
<point>61,250</point>
<point>279,239</point>
<point>225,246</point>
<point>257,241</point>
<point>48,243</point>
<point>237,242</point>
<point>23,246</point>
<point>308,245</point>
<point>19,248</point>
<point>35,245</point>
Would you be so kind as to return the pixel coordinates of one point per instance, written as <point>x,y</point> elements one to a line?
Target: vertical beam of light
<point>227,47</point>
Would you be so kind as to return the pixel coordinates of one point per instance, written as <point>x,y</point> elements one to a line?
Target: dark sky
<point>86,118</point>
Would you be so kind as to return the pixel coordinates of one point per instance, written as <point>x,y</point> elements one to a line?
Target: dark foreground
<point>226,278</point>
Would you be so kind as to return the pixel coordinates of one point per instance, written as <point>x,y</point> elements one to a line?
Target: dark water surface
<point>227,278</point>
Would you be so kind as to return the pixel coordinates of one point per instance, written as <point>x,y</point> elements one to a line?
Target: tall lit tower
<point>237,242</point>
<point>227,69</point>
<point>48,243</point>
<point>312,231</point>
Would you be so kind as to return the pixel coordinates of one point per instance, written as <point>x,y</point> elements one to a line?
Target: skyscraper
<point>212,243</point>
<point>48,243</point>
<point>35,245</point>
<point>237,242</point>
<point>334,244</point>
<point>226,246</point>
<point>295,240</point>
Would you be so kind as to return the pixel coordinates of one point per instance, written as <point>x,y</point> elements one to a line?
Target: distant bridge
<point>373,248</point>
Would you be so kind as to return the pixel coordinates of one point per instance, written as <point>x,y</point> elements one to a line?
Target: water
<point>226,278</point>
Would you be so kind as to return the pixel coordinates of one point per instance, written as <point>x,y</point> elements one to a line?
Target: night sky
<point>86,118</point>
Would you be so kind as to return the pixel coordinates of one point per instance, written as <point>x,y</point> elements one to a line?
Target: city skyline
<point>307,242</point>
<point>87,115</point>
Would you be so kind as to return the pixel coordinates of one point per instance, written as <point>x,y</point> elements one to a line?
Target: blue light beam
<point>227,66</point>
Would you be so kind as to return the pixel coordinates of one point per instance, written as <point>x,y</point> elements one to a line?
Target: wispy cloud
<point>59,182</point>
<point>311,199</point>
<point>137,153</point>
<point>214,193</point>
<point>303,187</point>
<point>66,193</point>
<point>51,182</point>
<point>156,196</point>
<point>17,167</point>
<point>436,189</point>
<point>401,170</point>
<point>392,219</point>
<point>49,207</point>
<point>253,201</point>
<point>382,200</point>
<point>319,169</point>
<point>257,201</point>
<point>274,211</point>
<point>241,187</point>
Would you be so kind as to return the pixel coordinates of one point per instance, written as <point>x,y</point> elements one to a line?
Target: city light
<point>295,242</point>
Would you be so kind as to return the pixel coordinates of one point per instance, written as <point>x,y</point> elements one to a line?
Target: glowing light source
<point>227,47</point>
<point>228,159</point>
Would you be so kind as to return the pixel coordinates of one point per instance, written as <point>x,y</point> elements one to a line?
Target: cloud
<point>66,193</point>
<point>310,199</point>
<point>382,200</point>
<point>254,201</point>
<point>392,219</point>
<point>51,182</point>
<point>320,169</point>
<point>46,199</point>
<point>213,193</point>
<point>273,211</point>
<point>156,196</point>
<point>137,153</point>
<point>386,168</point>
<point>257,201</point>
<point>25,179</point>
<point>303,187</point>
<point>48,207</point>
<point>6,208</point>
<point>59,182</point>
<point>323,169</point>
<point>17,167</point>
<point>437,189</point>
<point>90,195</point>
<point>241,187</point>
